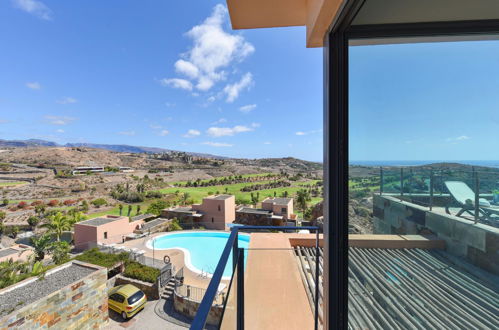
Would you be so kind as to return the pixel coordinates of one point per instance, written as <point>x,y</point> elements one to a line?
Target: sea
<point>487,163</point>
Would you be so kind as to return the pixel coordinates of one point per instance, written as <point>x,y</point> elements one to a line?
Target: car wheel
<point>123,315</point>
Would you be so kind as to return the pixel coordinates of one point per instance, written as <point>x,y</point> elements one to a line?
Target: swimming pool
<point>202,250</point>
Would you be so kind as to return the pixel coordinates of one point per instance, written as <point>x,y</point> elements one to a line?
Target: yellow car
<point>126,300</point>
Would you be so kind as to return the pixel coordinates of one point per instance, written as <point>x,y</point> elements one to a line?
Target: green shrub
<point>175,225</point>
<point>156,207</point>
<point>140,272</point>
<point>99,202</point>
<point>94,256</point>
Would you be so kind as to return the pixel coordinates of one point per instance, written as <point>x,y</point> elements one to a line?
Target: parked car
<point>127,300</point>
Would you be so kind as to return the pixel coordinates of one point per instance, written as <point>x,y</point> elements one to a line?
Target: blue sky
<point>173,74</point>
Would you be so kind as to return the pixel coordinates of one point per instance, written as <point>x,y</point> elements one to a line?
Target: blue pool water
<point>204,248</point>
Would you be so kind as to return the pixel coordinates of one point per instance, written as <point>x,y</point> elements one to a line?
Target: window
<point>219,208</point>
<point>105,235</point>
<point>212,220</point>
<point>117,297</point>
<point>135,297</point>
<point>283,210</point>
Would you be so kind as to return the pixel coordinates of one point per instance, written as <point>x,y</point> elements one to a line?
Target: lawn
<point>13,183</point>
<point>218,178</point>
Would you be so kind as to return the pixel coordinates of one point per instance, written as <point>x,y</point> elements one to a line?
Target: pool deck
<point>176,258</point>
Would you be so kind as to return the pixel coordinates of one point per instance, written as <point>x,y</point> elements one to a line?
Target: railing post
<point>316,300</point>
<point>431,189</point>
<point>381,180</point>
<point>235,249</point>
<point>240,289</point>
<point>477,196</point>
<point>401,181</point>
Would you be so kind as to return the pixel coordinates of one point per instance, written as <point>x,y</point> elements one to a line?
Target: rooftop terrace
<point>98,221</point>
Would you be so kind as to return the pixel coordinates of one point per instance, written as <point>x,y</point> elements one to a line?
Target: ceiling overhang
<point>318,15</point>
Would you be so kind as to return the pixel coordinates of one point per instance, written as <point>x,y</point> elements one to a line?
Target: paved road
<point>144,320</point>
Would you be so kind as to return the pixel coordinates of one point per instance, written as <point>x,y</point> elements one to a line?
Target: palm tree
<point>302,198</point>
<point>120,206</point>
<point>138,210</point>
<point>129,210</point>
<point>40,245</point>
<point>58,223</point>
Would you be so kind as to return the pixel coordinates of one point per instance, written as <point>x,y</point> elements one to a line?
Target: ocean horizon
<point>486,163</point>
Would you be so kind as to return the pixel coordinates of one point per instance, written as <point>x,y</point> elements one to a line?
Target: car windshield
<point>136,297</point>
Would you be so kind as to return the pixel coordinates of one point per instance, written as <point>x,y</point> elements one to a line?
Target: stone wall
<point>190,307</point>
<point>478,243</point>
<point>80,305</point>
<point>150,289</point>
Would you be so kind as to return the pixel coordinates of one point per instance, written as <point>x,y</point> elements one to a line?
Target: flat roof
<point>278,200</point>
<point>153,223</point>
<point>24,294</point>
<point>221,197</point>
<point>98,221</point>
<point>143,216</point>
<point>255,211</point>
<point>182,209</point>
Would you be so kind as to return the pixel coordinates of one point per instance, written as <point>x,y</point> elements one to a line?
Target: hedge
<point>140,272</point>
<point>94,256</point>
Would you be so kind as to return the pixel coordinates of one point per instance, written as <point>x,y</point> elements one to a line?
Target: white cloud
<point>233,90</point>
<point>459,138</point>
<point>59,130</point>
<point>213,50</point>
<point>67,100</point>
<point>267,142</point>
<point>33,85</point>
<point>34,7</point>
<point>211,99</point>
<point>192,133</point>
<point>228,131</point>
<point>127,133</point>
<point>177,83</point>
<point>220,121</point>
<point>186,68</point>
<point>170,105</point>
<point>164,132</point>
<point>154,126</point>
<point>247,108</point>
<point>301,133</point>
<point>218,144</point>
<point>59,120</point>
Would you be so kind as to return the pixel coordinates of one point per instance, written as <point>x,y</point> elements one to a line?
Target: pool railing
<point>237,279</point>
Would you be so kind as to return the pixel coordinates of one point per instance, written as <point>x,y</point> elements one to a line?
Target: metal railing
<point>426,186</point>
<point>238,267</point>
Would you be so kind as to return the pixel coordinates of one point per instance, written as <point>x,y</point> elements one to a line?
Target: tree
<point>156,207</point>
<point>40,245</point>
<point>76,216</point>
<point>302,199</point>
<point>138,210</point>
<point>5,202</point>
<point>40,209</point>
<point>3,215</point>
<point>99,202</point>
<point>15,231</point>
<point>254,199</point>
<point>33,221</point>
<point>59,251</point>
<point>129,210</point>
<point>84,206</point>
<point>58,223</point>
<point>120,206</point>
<point>185,197</point>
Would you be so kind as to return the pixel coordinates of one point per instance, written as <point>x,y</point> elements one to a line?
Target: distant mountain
<point>110,147</point>
<point>27,143</point>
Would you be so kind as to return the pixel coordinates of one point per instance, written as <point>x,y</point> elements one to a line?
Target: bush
<point>22,205</point>
<point>175,225</point>
<point>3,215</point>
<point>94,256</point>
<point>153,194</point>
<point>99,202</point>
<point>156,207</point>
<point>140,272</point>
<point>53,203</point>
<point>59,252</point>
<point>33,221</point>
<point>69,202</point>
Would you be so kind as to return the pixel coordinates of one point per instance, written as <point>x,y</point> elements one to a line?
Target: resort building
<point>279,206</point>
<point>215,212</point>
<point>87,169</point>
<point>106,229</point>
